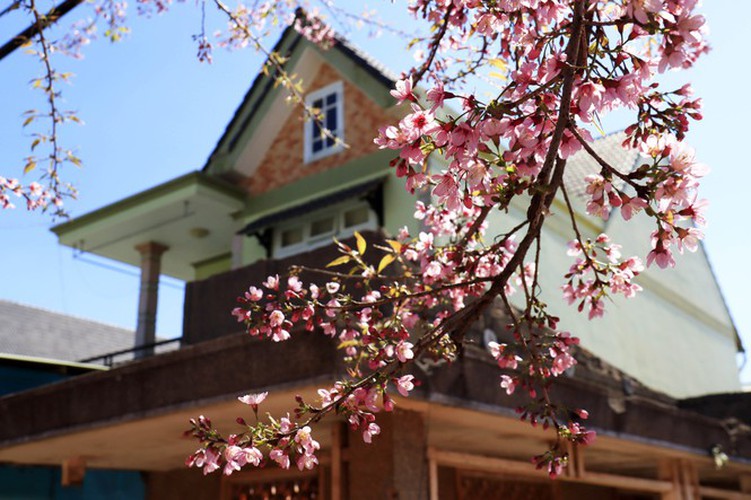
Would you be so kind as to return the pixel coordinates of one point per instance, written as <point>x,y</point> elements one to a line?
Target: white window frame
<point>309,155</point>
<point>311,242</point>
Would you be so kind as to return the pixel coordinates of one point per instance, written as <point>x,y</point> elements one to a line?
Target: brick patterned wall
<point>283,163</point>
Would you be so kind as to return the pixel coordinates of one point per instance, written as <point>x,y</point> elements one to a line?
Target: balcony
<point>209,302</point>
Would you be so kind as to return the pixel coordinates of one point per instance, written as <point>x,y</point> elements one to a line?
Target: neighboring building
<point>273,193</point>
<point>35,332</point>
<point>37,348</point>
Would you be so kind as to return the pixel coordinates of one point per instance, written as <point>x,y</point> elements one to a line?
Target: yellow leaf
<point>361,245</point>
<point>31,165</point>
<point>339,261</point>
<point>495,74</point>
<point>35,143</point>
<point>348,343</point>
<point>598,125</point>
<point>498,63</point>
<point>385,261</point>
<point>28,120</point>
<point>395,245</point>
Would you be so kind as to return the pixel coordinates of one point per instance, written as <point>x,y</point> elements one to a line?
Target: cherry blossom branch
<point>280,73</point>
<point>434,46</point>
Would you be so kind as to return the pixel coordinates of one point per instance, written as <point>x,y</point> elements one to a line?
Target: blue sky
<point>152,113</point>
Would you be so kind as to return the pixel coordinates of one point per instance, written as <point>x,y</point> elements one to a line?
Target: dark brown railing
<point>143,351</point>
<point>209,302</point>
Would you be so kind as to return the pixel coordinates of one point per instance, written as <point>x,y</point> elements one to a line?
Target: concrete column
<point>151,258</point>
<point>238,241</point>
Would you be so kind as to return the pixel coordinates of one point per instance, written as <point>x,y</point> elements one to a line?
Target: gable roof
<point>31,331</point>
<point>290,45</point>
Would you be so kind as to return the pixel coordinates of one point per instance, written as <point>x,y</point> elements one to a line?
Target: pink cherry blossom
<point>253,399</point>
<point>404,384</point>
<point>403,91</point>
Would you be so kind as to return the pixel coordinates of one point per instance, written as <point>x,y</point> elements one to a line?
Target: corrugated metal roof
<point>610,149</point>
<point>30,331</point>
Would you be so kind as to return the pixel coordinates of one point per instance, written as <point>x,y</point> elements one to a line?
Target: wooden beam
<point>467,461</point>
<point>623,482</point>
<point>719,493</point>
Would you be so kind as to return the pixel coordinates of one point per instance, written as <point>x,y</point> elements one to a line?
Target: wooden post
<point>74,470</point>
<point>575,467</point>
<point>433,477</point>
<point>151,257</point>
<point>746,483</point>
<point>690,480</point>
<point>684,478</point>
<point>337,437</point>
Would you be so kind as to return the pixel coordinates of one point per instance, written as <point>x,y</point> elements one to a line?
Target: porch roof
<point>132,417</point>
<point>192,215</point>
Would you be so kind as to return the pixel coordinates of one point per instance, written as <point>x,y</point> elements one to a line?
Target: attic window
<point>329,102</point>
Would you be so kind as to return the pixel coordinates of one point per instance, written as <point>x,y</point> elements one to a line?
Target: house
<point>272,194</point>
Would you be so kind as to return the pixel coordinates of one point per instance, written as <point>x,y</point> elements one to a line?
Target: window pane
<point>322,226</point>
<point>331,120</point>
<point>317,145</point>
<point>331,99</point>
<point>318,104</point>
<point>291,236</point>
<point>316,131</point>
<point>356,216</point>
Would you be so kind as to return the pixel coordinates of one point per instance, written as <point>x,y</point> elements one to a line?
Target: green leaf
<point>339,261</point>
<point>361,244</point>
<point>30,165</point>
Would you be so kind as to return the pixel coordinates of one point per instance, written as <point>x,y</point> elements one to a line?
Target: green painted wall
<point>43,483</point>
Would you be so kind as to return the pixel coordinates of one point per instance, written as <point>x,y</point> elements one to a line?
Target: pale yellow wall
<point>210,268</point>
<point>398,207</point>
<point>674,337</point>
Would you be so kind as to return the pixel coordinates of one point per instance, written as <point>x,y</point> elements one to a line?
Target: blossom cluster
<point>559,66</point>
<point>590,280</point>
<point>35,195</point>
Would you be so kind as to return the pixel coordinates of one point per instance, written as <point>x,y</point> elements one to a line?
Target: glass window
<point>291,236</point>
<point>318,229</point>
<point>322,226</point>
<point>327,103</point>
<point>356,216</point>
